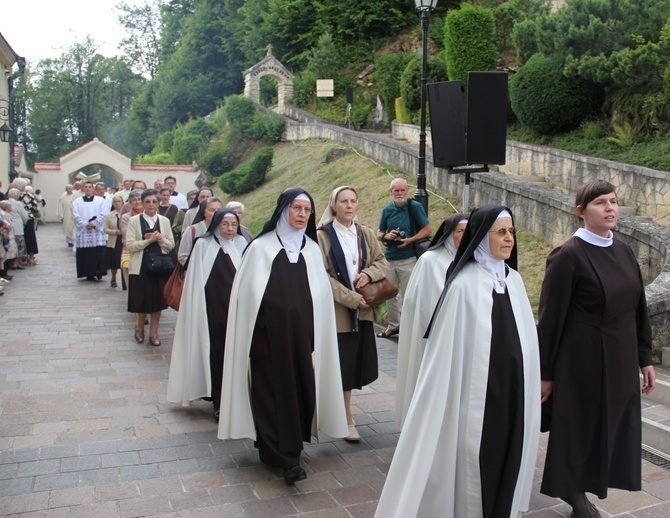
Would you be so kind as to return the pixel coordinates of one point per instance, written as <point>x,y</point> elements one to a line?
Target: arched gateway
<point>269,66</point>
<point>52,177</point>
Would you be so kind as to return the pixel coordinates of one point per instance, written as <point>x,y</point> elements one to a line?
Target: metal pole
<point>421,195</point>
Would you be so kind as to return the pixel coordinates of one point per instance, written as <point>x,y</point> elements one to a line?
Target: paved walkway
<point>85,430</point>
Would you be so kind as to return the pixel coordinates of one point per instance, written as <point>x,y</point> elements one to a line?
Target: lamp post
<point>424,7</point>
<point>5,133</point>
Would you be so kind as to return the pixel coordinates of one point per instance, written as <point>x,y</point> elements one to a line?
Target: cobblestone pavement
<point>85,430</point>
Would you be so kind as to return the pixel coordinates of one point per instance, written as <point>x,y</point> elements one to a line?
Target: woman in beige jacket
<point>147,232</point>
<point>114,245</point>
<point>353,258</point>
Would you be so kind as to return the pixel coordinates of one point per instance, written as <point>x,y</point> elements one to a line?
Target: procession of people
<point>274,331</point>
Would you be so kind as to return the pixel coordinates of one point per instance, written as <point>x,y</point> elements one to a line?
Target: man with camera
<point>397,230</point>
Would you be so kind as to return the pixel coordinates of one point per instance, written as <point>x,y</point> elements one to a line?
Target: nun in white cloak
<point>196,365</point>
<point>423,291</point>
<point>469,442</point>
<point>281,377</point>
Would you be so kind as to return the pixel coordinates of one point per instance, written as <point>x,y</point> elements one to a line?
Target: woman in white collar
<point>353,258</point>
<point>196,367</point>
<point>594,337</point>
<point>469,442</point>
<point>281,340</point>
<point>148,232</point>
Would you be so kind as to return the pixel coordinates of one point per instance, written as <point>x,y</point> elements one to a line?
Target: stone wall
<point>646,190</point>
<point>539,211</point>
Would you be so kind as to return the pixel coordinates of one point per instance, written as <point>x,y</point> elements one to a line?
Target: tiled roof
<point>162,167</point>
<point>47,166</point>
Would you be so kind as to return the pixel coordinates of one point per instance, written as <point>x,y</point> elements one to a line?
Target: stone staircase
<point>656,415</point>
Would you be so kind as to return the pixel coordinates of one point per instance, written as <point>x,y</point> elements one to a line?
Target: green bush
<point>304,88</point>
<point>387,77</point>
<point>155,158</point>
<point>164,143</point>
<point>402,114</point>
<point>524,37</point>
<point>469,41</point>
<point>268,91</point>
<point>244,116</point>
<point>219,158</point>
<point>240,112</point>
<point>186,149</point>
<point>196,127</point>
<point>410,82</point>
<point>545,101</point>
<point>248,176</point>
<point>594,130</point>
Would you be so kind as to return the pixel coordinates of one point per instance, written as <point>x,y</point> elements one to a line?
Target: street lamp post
<point>425,7</point>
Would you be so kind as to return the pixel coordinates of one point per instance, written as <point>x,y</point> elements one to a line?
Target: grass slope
<point>303,165</point>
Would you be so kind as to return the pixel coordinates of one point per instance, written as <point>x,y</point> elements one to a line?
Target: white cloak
<point>236,419</point>
<point>419,301</point>
<point>64,212</point>
<point>190,375</point>
<point>435,468</point>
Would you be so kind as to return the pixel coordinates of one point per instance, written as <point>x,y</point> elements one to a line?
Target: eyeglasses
<point>299,209</point>
<point>502,232</point>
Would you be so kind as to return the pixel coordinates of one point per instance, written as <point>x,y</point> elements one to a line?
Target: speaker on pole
<point>470,130</point>
<point>350,95</point>
<point>487,117</point>
<point>447,123</point>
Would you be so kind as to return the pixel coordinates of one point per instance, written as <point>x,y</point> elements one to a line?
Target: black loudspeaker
<point>472,131</point>
<point>487,117</point>
<point>350,95</point>
<point>447,123</point>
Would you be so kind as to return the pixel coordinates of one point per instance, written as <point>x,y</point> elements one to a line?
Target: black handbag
<point>159,264</point>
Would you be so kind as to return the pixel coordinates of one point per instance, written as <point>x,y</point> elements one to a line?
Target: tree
<point>143,26</point>
<point>469,40</point>
<point>75,97</point>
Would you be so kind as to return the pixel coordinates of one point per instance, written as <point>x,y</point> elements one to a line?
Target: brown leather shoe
<point>153,340</point>
<point>139,336</point>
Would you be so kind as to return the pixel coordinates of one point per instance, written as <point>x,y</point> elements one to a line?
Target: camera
<point>400,236</point>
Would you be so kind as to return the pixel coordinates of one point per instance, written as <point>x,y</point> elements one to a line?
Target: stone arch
<point>269,66</point>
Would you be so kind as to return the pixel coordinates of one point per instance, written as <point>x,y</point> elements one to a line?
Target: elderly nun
<point>469,441</point>
<point>423,291</point>
<point>281,371</point>
<point>196,368</point>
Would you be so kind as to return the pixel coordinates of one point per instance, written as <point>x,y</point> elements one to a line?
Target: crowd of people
<point>274,332</point>
<point>21,209</point>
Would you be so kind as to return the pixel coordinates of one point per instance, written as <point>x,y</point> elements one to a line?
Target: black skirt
<point>358,356</point>
<point>30,237</point>
<point>114,255</point>
<point>145,292</point>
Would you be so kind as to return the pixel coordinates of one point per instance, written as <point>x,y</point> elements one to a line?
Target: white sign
<point>325,88</point>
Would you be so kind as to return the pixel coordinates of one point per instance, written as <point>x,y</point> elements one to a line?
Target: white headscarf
<point>329,214</point>
<point>449,242</point>
<point>225,243</point>
<point>290,237</point>
<point>491,264</point>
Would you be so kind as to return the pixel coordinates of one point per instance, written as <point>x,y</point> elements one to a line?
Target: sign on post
<point>325,88</point>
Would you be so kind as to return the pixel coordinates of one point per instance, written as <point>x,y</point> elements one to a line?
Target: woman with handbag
<point>114,244</point>
<point>353,259</point>
<point>149,242</point>
<point>196,367</point>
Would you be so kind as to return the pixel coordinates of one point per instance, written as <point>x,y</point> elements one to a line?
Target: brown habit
<point>594,335</point>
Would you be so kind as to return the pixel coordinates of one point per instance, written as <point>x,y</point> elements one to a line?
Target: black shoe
<point>294,474</point>
<point>216,416</point>
<point>7,276</point>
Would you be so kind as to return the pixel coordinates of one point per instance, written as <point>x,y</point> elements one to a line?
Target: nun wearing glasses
<point>469,441</point>
<point>196,366</point>
<point>281,371</point>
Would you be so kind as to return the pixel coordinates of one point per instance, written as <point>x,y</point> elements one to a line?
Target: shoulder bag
<point>175,284</point>
<point>375,292</point>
